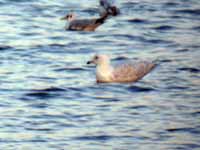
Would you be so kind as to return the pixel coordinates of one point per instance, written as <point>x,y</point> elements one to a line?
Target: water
<point>48,95</point>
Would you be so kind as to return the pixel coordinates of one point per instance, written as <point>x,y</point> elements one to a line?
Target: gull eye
<point>96,57</point>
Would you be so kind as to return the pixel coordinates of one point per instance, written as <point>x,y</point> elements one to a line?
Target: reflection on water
<point>48,95</point>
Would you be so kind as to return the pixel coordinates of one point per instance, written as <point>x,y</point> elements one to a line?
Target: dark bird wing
<point>81,24</point>
<point>107,8</point>
<point>87,24</point>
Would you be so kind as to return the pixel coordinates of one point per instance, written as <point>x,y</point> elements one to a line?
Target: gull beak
<point>90,62</point>
<point>63,18</point>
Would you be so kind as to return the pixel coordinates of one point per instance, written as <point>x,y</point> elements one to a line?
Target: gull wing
<point>132,72</point>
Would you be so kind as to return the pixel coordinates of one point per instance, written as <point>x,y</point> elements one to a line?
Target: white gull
<point>127,72</point>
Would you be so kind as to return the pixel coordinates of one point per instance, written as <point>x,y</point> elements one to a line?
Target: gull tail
<point>113,10</point>
<point>109,8</point>
<point>102,19</point>
<point>144,68</point>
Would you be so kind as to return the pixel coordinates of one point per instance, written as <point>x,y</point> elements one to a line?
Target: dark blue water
<point>48,95</point>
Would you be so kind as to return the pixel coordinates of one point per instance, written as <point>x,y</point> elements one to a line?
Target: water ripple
<point>191,70</point>
<point>2,48</point>
<point>138,21</point>
<point>191,130</point>
<point>44,93</point>
<point>164,27</point>
<point>140,89</point>
<point>49,98</point>
<point>97,138</point>
<point>189,11</point>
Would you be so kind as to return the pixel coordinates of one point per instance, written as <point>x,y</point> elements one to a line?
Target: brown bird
<point>83,24</point>
<point>127,72</point>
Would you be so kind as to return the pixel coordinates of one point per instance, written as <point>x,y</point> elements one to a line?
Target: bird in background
<point>106,9</point>
<point>83,24</point>
<point>123,73</point>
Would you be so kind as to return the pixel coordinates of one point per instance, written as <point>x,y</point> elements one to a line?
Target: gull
<point>83,24</point>
<point>127,72</point>
<point>107,8</point>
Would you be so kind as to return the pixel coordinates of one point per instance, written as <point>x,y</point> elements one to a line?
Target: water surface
<point>48,95</point>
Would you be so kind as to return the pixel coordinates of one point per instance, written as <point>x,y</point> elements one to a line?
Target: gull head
<point>99,60</point>
<point>69,17</point>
